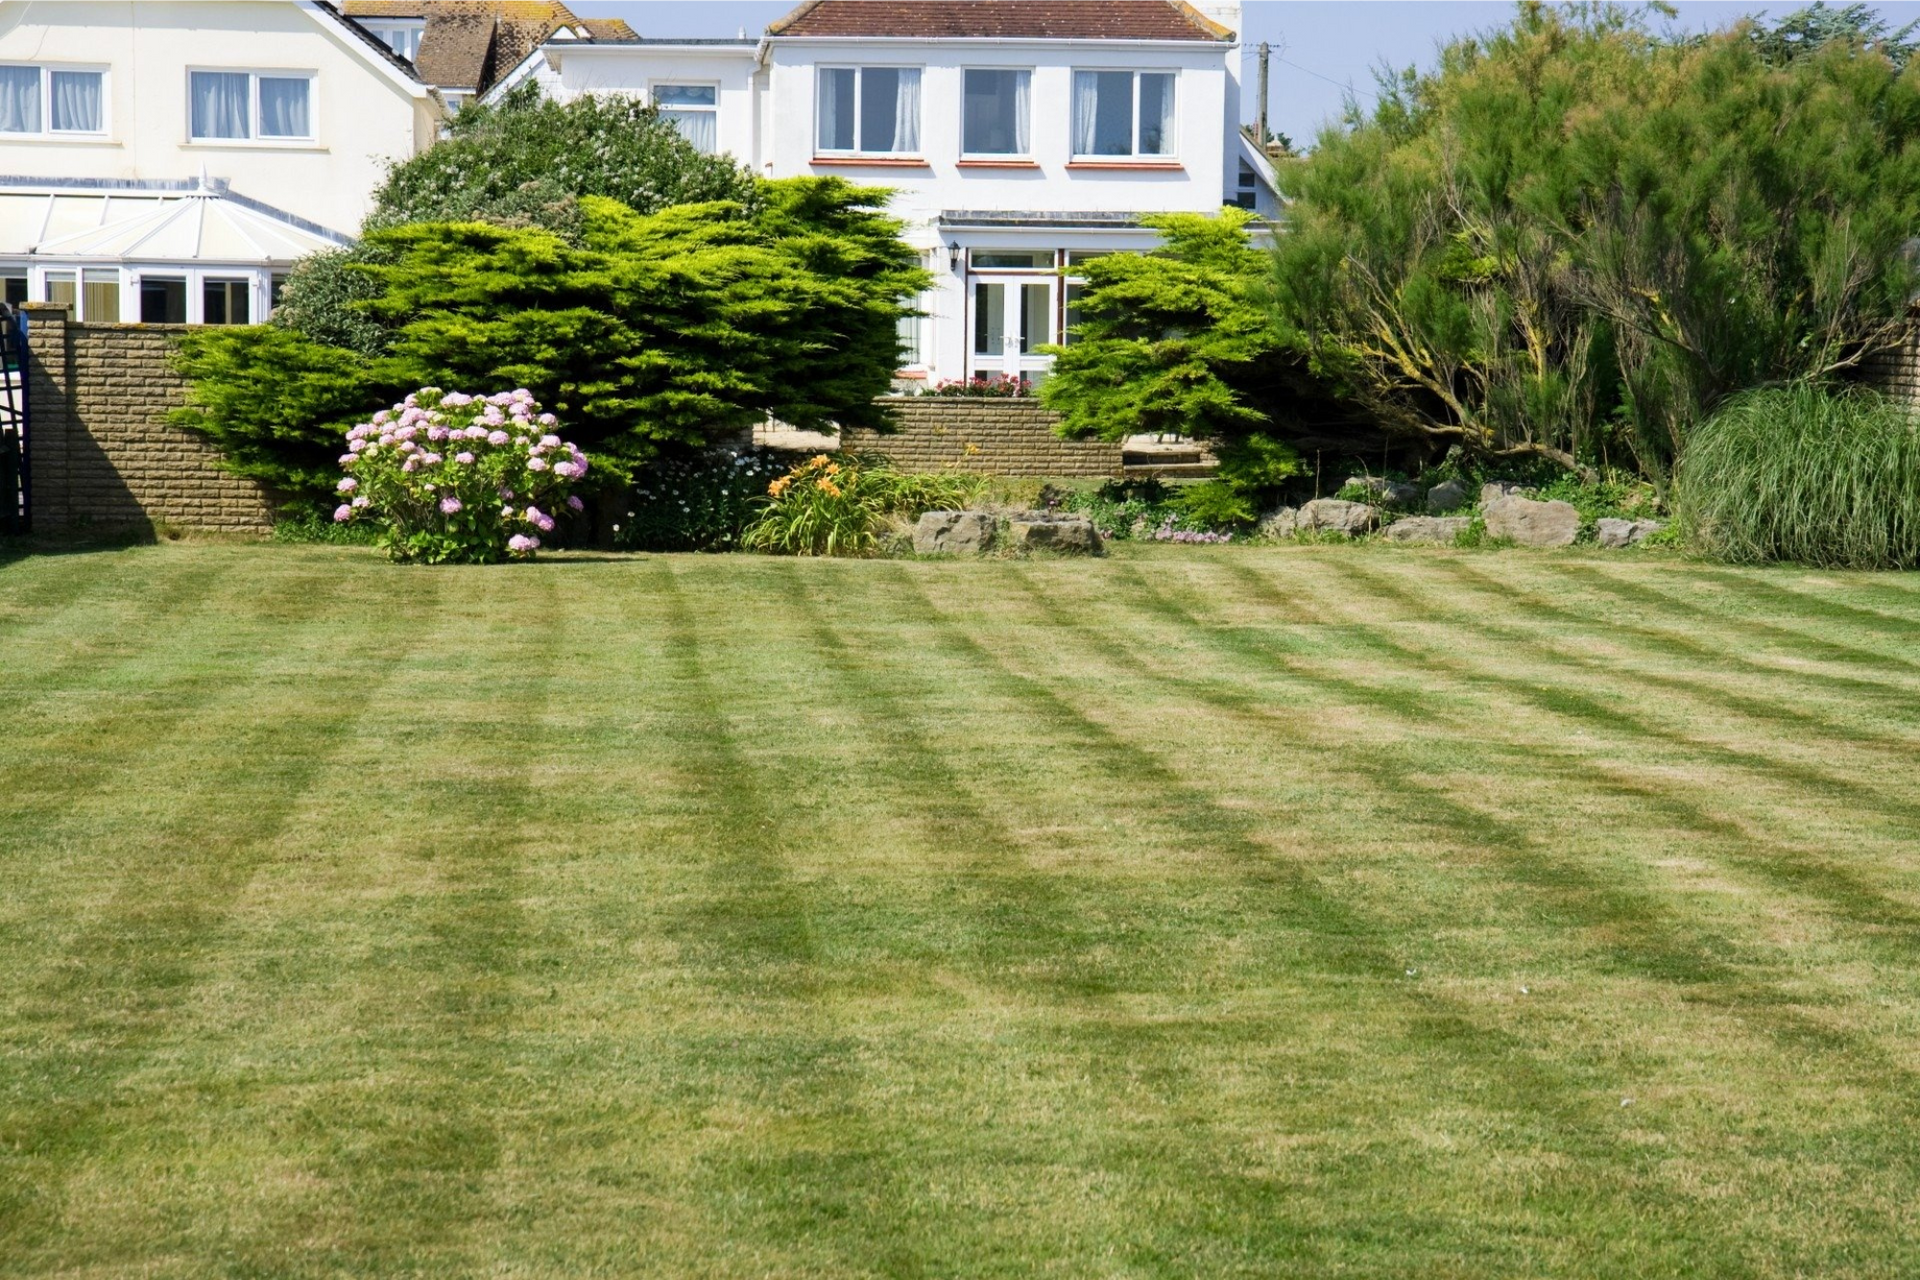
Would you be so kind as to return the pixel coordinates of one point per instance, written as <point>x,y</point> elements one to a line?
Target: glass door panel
<point>1012,319</point>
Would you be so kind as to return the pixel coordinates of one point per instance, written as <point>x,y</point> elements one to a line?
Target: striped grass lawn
<point>1198,912</point>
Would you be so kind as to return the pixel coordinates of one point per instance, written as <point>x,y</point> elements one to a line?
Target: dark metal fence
<point>16,480</point>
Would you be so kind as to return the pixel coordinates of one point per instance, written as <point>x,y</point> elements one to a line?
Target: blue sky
<point>1323,48</point>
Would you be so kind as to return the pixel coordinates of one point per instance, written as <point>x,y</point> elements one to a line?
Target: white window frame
<point>1004,157</point>
<point>859,93</point>
<point>383,29</point>
<point>680,82</point>
<point>254,76</point>
<point>1136,156</point>
<point>46,70</point>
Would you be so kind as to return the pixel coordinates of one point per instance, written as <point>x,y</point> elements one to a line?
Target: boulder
<point>953,533</point>
<point>1278,523</point>
<point>1331,515</point>
<point>1624,533</point>
<point>1533,524</point>
<point>1448,495</point>
<point>1389,492</point>
<point>1044,531</point>
<point>1498,489</point>
<point>1427,529</point>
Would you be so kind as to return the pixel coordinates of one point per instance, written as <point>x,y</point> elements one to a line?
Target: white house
<point>167,160</point>
<point>1022,137</point>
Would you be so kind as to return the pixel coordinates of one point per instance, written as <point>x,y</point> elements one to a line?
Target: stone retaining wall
<point>984,436</point>
<point>103,456</point>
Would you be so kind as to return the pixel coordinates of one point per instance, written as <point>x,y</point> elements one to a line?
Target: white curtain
<point>19,99</point>
<point>1022,113</point>
<point>76,101</point>
<point>701,128</point>
<point>283,108</point>
<point>220,104</point>
<point>836,97</point>
<point>1086,110</point>
<point>906,113</point>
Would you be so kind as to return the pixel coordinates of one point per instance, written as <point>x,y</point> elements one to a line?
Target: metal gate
<point>16,488</point>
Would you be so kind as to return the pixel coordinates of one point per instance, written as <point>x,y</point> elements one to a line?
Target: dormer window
<point>402,35</point>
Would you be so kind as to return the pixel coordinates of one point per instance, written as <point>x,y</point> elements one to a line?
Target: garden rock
<point>1386,491</point>
<point>1331,515</point>
<point>1498,489</point>
<point>1044,531</point>
<point>1448,495</point>
<point>1625,533</point>
<point>953,533</point>
<point>1427,529</point>
<point>1533,524</point>
<point>1278,523</point>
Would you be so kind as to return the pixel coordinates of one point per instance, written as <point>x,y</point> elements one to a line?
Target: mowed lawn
<point>1196,912</point>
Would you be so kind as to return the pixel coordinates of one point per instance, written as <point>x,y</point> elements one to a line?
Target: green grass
<point>1242,911</point>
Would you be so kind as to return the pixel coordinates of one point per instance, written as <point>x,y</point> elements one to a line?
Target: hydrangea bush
<point>459,479</point>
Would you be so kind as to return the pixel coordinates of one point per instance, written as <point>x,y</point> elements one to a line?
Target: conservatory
<point>150,253</point>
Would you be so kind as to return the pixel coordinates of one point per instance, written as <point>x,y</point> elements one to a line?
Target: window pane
<point>1102,113</point>
<point>19,100</point>
<point>62,287</point>
<point>219,104</point>
<point>684,95</point>
<point>879,108</point>
<point>989,319</point>
<point>100,296</point>
<point>1023,258</point>
<point>223,302</point>
<point>1036,320</point>
<point>16,290</point>
<point>995,113</point>
<point>76,101</point>
<point>1156,115</point>
<point>836,109</point>
<point>278,287</point>
<point>283,107</point>
<point>163,300</point>
<point>1074,293</point>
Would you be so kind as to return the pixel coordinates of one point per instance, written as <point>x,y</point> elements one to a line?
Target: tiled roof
<point>1000,20</point>
<point>468,44</point>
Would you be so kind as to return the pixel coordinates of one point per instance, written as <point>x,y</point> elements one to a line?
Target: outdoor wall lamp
<point>954,253</point>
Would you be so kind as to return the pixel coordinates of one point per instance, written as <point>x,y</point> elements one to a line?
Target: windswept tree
<point>1575,238</point>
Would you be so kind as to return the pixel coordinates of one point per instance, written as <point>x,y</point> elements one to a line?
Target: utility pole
<point>1266,58</point>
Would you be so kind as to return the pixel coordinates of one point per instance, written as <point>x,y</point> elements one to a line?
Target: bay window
<point>693,109</point>
<point>246,105</point>
<point>43,100</point>
<point>995,113</point>
<point>1122,114</point>
<point>869,111</point>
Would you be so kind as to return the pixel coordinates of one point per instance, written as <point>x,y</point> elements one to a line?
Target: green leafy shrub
<point>702,502</point>
<point>450,478</point>
<point>1804,475</point>
<point>828,507</point>
<point>1214,505</point>
<point>1119,507</point>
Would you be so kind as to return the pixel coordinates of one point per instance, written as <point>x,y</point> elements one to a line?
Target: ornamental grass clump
<point>825,507</point>
<point>1805,475</point>
<point>452,478</point>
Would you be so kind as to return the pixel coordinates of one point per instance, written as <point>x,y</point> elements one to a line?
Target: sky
<point>1323,50</point>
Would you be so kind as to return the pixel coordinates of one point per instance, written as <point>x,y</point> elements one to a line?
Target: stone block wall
<point>102,454</point>
<point>1897,372</point>
<point>984,436</point>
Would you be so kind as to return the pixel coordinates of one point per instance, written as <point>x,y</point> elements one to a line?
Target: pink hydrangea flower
<point>464,458</point>
<point>498,438</point>
<point>520,544</point>
<point>536,464</point>
<point>436,432</point>
<point>431,459</point>
<point>359,502</point>
<point>549,442</point>
<point>563,469</point>
<point>342,513</point>
<point>547,420</point>
<point>576,504</point>
<point>476,432</point>
<point>346,459</point>
<point>449,505</point>
<point>348,485</point>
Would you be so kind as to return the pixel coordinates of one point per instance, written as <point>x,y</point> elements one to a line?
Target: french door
<point>1013,316</point>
